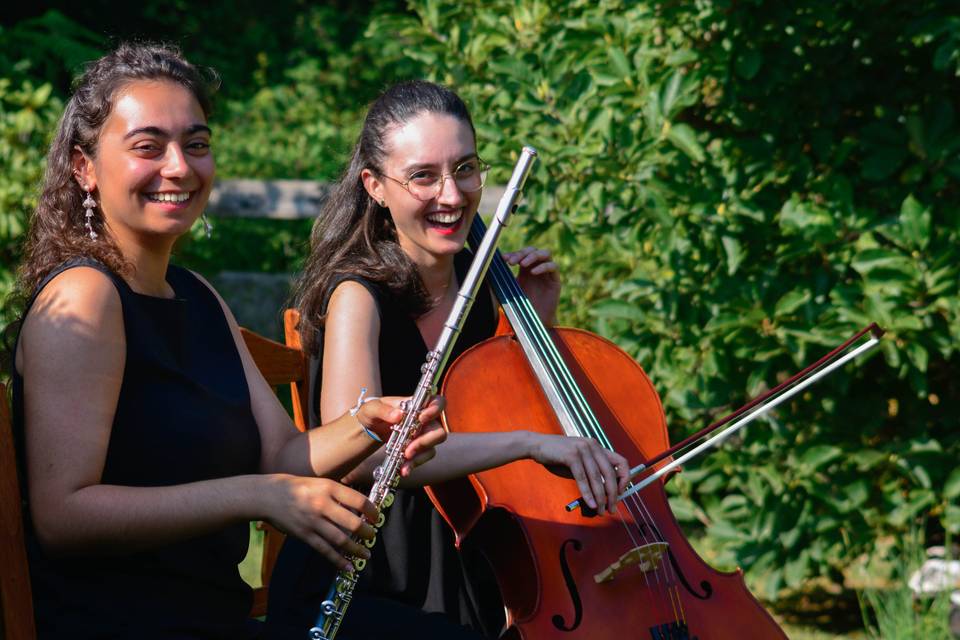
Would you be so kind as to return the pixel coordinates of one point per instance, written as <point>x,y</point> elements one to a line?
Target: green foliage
<point>732,190</point>
<point>27,118</point>
<point>49,48</point>
<point>302,123</point>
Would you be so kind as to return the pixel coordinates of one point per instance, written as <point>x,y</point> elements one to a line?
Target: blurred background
<point>731,188</point>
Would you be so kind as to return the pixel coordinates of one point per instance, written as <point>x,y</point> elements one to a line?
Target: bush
<point>732,189</point>
<point>28,115</point>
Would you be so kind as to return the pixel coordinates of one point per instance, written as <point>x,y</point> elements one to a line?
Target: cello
<point>564,573</point>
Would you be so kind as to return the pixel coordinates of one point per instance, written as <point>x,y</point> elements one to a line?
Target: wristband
<point>356,409</point>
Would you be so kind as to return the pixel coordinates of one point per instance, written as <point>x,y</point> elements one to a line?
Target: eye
<point>468,168</point>
<point>424,178</point>
<point>198,147</point>
<point>147,147</point>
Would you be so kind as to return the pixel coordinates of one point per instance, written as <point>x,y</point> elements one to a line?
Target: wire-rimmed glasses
<point>426,184</point>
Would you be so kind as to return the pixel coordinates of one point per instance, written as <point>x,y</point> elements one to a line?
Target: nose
<point>175,164</point>
<point>450,194</point>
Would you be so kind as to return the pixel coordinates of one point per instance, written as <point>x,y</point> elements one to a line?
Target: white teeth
<point>445,218</point>
<point>169,197</point>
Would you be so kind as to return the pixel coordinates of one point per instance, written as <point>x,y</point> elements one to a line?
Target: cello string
<point>510,293</point>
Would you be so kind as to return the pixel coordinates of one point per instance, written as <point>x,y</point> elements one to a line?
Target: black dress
<point>183,415</point>
<point>414,562</point>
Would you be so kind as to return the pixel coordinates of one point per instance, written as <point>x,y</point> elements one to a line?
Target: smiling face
<point>437,144</point>
<point>153,169</point>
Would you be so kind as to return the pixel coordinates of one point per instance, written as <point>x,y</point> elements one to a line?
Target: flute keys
<point>388,500</point>
<point>359,564</point>
<point>381,518</point>
<point>369,543</point>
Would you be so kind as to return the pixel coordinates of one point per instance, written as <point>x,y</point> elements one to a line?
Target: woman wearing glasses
<point>386,262</point>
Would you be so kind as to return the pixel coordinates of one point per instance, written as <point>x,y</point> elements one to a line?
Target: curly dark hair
<point>353,234</point>
<point>56,230</point>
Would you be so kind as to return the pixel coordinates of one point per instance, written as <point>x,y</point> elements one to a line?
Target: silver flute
<point>387,475</point>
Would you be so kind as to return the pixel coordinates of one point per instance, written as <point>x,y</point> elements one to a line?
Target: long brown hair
<point>353,234</point>
<point>57,231</point>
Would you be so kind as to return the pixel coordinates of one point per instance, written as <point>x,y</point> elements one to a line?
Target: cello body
<point>548,561</point>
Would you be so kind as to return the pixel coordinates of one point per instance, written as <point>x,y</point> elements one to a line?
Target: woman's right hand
<point>323,513</point>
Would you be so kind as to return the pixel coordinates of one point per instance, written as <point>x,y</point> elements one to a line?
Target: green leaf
<point>617,309</point>
<point>867,459</point>
<point>870,262</point>
<point>919,500</point>
<point>748,63</point>
<point>685,139</point>
<point>734,252</point>
<point>791,301</point>
<point>620,62</point>
<point>951,488</point>
<point>670,92</point>
<point>820,455</point>
<point>951,519</point>
<point>915,222</point>
<point>796,569</point>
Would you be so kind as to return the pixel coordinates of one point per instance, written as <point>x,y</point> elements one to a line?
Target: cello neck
<point>534,340</point>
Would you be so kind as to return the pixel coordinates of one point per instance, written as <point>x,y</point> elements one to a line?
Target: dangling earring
<point>89,204</point>
<point>207,229</point>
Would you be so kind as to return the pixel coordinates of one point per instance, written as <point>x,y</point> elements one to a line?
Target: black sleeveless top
<point>415,561</point>
<point>183,415</point>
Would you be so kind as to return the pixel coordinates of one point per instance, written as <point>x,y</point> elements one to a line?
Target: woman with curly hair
<point>147,436</point>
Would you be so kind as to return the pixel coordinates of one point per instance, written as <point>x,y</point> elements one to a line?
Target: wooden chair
<point>279,364</point>
<point>16,599</point>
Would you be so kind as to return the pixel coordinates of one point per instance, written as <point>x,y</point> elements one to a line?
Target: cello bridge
<point>646,556</point>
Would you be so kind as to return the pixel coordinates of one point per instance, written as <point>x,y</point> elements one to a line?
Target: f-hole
<point>706,586</point>
<point>557,619</point>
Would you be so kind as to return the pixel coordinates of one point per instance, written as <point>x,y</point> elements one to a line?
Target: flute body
<point>387,475</point>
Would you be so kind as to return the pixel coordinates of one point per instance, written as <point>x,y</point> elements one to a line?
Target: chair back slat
<point>300,392</point>
<point>279,364</point>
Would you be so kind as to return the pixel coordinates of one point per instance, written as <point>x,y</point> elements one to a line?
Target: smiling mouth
<point>169,197</point>
<point>445,219</point>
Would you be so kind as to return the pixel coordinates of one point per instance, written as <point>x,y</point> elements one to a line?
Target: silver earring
<point>207,229</point>
<point>89,204</point>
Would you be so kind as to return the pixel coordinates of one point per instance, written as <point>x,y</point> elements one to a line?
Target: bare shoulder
<point>76,316</point>
<point>81,295</point>
<point>352,300</point>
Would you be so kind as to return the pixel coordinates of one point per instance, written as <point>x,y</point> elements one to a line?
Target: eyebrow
<point>418,166</point>
<point>157,131</point>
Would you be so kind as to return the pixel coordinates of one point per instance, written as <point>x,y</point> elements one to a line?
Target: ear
<point>372,184</point>
<point>83,169</point>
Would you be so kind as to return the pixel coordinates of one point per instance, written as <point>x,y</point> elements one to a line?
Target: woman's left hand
<point>601,474</point>
<point>539,279</point>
